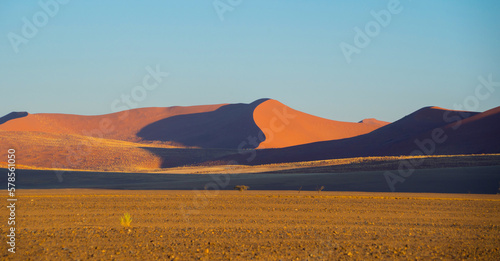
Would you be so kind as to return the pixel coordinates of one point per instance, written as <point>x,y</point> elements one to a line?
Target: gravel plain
<point>83,224</point>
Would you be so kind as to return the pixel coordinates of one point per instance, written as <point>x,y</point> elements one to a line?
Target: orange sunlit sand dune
<point>156,139</point>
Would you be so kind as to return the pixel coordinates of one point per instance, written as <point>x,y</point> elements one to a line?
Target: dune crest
<point>374,122</point>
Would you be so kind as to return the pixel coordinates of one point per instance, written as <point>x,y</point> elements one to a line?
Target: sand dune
<point>240,126</point>
<point>478,133</point>
<point>228,132</point>
<point>285,127</point>
<point>121,125</point>
<point>227,127</point>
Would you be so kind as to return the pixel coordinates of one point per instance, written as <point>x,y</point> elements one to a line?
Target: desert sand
<point>285,127</point>
<point>254,225</point>
<point>122,125</point>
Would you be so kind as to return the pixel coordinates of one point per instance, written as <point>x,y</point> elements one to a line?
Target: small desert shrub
<point>320,188</point>
<point>125,220</point>
<point>241,187</point>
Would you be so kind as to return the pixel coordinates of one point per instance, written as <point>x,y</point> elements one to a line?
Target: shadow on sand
<point>226,127</point>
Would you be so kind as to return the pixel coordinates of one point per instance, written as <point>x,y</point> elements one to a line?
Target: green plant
<point>125,220</point>
<point>241,187</point>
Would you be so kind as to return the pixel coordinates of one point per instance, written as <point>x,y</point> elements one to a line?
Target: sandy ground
<point>72,224</point>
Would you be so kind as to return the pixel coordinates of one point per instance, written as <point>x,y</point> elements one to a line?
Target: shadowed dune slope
<point>430,130</point>
<point>121,125</point>
<point>284,126</point>
<point>13,115</point>
<point>228,127</point>
<point>479,133</point>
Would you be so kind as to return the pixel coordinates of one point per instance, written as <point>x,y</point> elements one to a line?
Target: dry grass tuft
<point>125,220</point>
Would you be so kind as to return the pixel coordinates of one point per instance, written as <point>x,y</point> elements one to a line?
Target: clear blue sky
<point>91,52</point>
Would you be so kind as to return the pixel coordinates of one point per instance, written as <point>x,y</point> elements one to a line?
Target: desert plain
<point>84,224</point>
